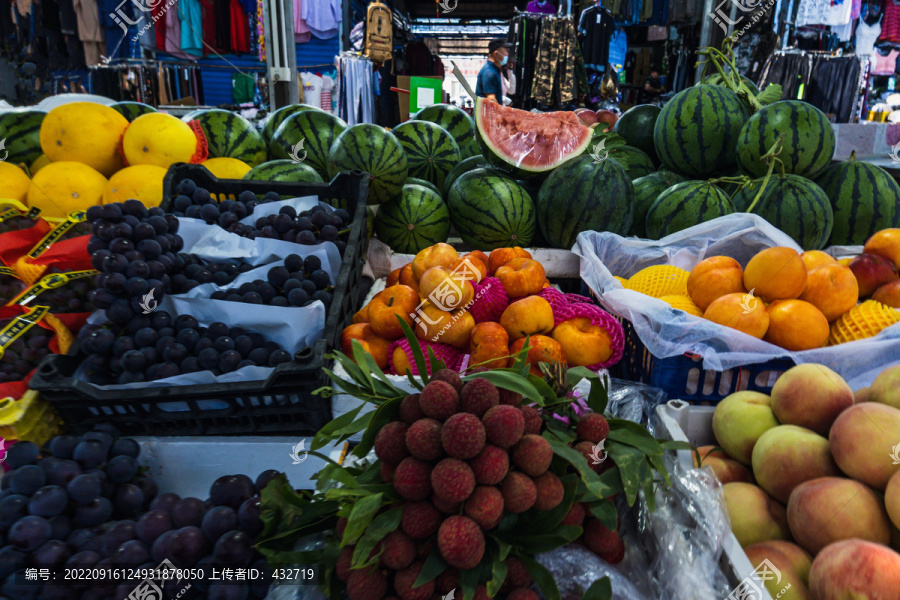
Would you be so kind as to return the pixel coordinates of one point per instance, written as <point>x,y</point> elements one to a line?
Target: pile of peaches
<point>474,310</point>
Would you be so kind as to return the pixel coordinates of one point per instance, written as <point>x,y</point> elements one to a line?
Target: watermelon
<point>431,152</point>
<point>636,126</point>
<point>646,190</point>
<point>489,210</point>
<point>284,170</point>
<point>20,130</point>
<point>311,132</point>
<point>229,135</point>
<point>428,184</point>
<point>528,144</point>
<point>808,139</point>
<point>132,110</point>
<point>584,195</point>
<point>469,148</point>
<point>793,204</point>
<point>864,197</point>
<point>684,205</point>
<point>455,120</point>
<point>716,79</point>
<point>376,151</point>
<point>469,164</point>
<point>413,221</point>
<point>697,130</point>
<point>635,162</point>
<point>274,121</point>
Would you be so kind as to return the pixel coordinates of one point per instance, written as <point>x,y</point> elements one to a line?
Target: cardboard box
<point>405,82</point>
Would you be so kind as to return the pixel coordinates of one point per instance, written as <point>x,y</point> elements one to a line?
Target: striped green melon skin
<point>274,121</point>
<point>793,204</point>
<point>636,127</point>
<point>684,205</point>
<point>697,130</point>
<point>635,162</point>
<point>132,110</point>
<point>284,170</point>
<point>22,129</point>
<point>317,130</point>
<point>431,151</point>
<point>416,219</point>
<point>865,199</point>
<point>469,164</point>
<point>646,190</point>
<point>469,148</point>
<point>231,135</point>
<point>490,210</point>
<point>808,142</point>
<point>376,151</point>
<point>428,184</point>
<point>455,120</point>
<point>580,195</point>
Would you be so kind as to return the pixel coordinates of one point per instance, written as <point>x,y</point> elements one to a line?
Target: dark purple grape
<point>297,296</point>
<point>209,213</point>
<point>157,270</point>
<point>121,246</point>
<point>248,517</point>
<point>174,353</point>
<point>230,490</point>
<point>260,356</point>
<point>191,364</point>
<point>104,437</point>
<point>243,344</point>
<point>98,255</point>
<point>186,322</point>
<point>252,298</point>
<point>163,342</point>
<point>27,480</point>
<point>48,501</point>
<point>131,553</point>
<point>125,447</point>
<point>11,559</point>
<point>188,546</point>
<point>188,511</point>
<point>150,248</point>
<point>279,301</point>
<point>329,233</point>
<point>187,186</point>
<point>117,534</point>
<point>165,502</point>
<point>228,591</point>
<point>159,223</point>
<point>21,454</point>
<point>229,360</point>
<point>323,297</point>
<point>193,212</point>
<point>320,278</point>
<point>61,526</point>
<point>161,319</point>
<point>84,489</point>
<point>86,540</point>
<point>95,513</point>
<point>121,469</point>
<point>233,548</point>
<point>188,337</point>
<point>30,532</point>
<point>63,472</point>
<point>120,312</point>
<point>208,359</point>
<point>309,287</point>
<point>278,357</point>
<point>137,323</point>
<point>84,558</point>
<point>12,508</point>
<point>52,554</point>
<point>134,207</point>
<point>90,453</point>
<point>148,487</point>
<point>115,263</point>
<point>105,231</point>
<point>162,546</point>
<point>134,361</point>
<point>136,286</point>
<point>152,525</point>
<point>128,500</point>
<point>263,479</point>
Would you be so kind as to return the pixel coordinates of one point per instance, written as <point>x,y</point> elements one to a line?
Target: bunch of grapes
<point>192,271</point>
<point>73,297</point>
<point>308,227</point>
<point>17,223</point>
<point>24,353</point>
<point>166,347</point>
<point>298,283</point>
<point>10,287</point>
<point>77,230</point>
<point>134,249</point>
<point>197,203</point>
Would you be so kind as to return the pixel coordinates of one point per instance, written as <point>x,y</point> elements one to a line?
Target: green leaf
<point>336,428</point>
<point>605,511</point>
<point>468,582</point>
<point>633,434</point>
<point>599,590</point>
<point>548,396</point>
<point>359,357</point>
<point>416,350</point>
<point>633,469</point>
<point>598,398</point>
<point>542,577</point>
<point>546,542</point>
<point>362,514</point>
<point>380,526</point>
<point>508,380</point>
<point>498,576</point>
<point>597,486</point>
<point>771,94</point>
<point>378,419</point>
<point>433,567</point>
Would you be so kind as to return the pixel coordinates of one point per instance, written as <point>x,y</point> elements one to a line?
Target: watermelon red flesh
<point>529,142</point>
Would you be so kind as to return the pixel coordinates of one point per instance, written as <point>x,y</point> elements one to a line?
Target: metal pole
<point>281,53</point>
<point>705,33</point>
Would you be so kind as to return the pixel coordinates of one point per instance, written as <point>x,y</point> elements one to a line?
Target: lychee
<point>593,427</point>
<point>390,443</point>
<point>463,435</point>
<point>485,506</point>
<point>532,454</point>
<point>478,395</point>
<point>386,470</point>
<point>342,565</point>
<point>510,397</point>
<point>461,542</point>
<point>341,526</point>
<point>448,375</point>
<point>397,550</point>
<point>423,438</point>
<point>412,479</point>
<point>366,584</point>
<point>481,593</point>
<point>519,492</point>
<point>598,538</point>
<point>452,480</point>
<point>491,465</point>
<point>410,411</point>
<point>575,516</point>
<point>617,553</point>
<point>549,491</point>
<point>517,574</point>
<point>439,400</point>
<point>522,593</point>
<point>532,418</point>
<point>448,508</point>
<point>446,581</point>
<point>424,548</point>
<point>587,451</point>
<point>405,579</point>
<point>419,519</point>
<point>503,425</point>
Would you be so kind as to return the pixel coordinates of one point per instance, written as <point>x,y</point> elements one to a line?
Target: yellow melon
<point>39,163</point>
<point>84,132</point>
<point>140,182</point>
<point>158,139</point>
<point>226,168</point>
<point>14,182</point>
<point>63,187</point>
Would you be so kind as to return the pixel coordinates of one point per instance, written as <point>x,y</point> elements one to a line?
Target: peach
<point>862,439</point>
<point>461,325</point>
<point>541,349</point>
<point>439,255</point>
<point>888,294</point>
<point>814,259</point>
<point>791,560</point>
<point>501,256</point>
<point>726,469</point>
<point>832,289</point>
<point>430,321</point>
<point>481,256</point>
<point>408,279</point>
<point>436,325</point>
<point>362,315</point>
<point>855,570</point>
<point>393,277</point>
<point>528,316</point>
<point>786,456</point>
<point>811,396</point>
<point>829,509</point>
<point>470,268</point>
<point>885,243</point>
<point>375,345</point>
<point>521,277</point>
<point>861,395</point>
<point>445,289</point>
<point>886,388</point>
<point>892,499</point>
<point>872,272</point>
<point>585,343</point>
<point>488,346</point>
<point>755,517</point>
<point>739,420</point>
<point>395,301</point>
<point>713,278</point>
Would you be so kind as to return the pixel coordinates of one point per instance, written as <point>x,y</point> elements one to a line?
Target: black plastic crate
<point>282,404</point>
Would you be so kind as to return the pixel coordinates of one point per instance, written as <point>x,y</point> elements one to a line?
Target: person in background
<point>489,84</point>
<point>508,80</point>
<point>540,6</point>
<point>652,85</point>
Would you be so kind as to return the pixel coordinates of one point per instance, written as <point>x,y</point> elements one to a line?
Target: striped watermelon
<point>376,151</point>
<point>274,121</point>
<point>469,164</point>
<point>431,152</point>
<point>636,127</point>
<point>489,210</point>
<point>808,139</point>
<point>229,135</point>
<point>716,79</point>
<point>413,221</point>
<point>469,148</point>
<point>21,129</point>
<point>646,190</point>
<point>636,163</point>
<point>684,205</point>
<point>793,204</point>
<point>455,120</point>
<point>428,184</point>
<point>284,170</point>
<point>864,198</point>
<point>697,130</point>
<point>584,195</point>
<point>132,110</point>
<point>311,132</point>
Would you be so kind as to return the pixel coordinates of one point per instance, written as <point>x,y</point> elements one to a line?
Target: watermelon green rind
<point>697,130</point>
<point>416,219</point>
<point>807,139</point>
<point>284,170</point>
<point>376,151</point>
<point>584,195</point>
<point>469,164</point>
<point>636,126</point>
<point>431,152</point>
<point>21,129</point>
<point>132,110</point>
<point>646,190</point>
<point>230,135</point>
<point>490,210</point>
<point>274,121</point>
<point>469,148</point>
<point>864,198</point>
<point>635,162</point>
<point>455,120</point>
<point>684,205</point>
<point>317,129</point>
<point>428,184</point>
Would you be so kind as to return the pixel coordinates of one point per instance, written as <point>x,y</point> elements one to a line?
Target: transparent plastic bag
<point>575,569</point>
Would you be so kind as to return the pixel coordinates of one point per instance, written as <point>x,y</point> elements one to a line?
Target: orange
<point>832,289</point>
<point>885,243</point>
<point>816,258</point>
<point>776,274</point>
<point>713,278</point>
<point>741,312</point>
<point>796,325</point>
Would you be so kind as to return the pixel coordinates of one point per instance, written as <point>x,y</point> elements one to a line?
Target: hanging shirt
<point>885,65</point>
<point>173,36</point>
<point>312,88</point>
<point>323,17</point>
<point>816,12</point>
<point>890,24</point>
<point>208,20</point>
<point>537,6</point>
<point>598,26</point>
<point>243,88</point>
<point>88,15</point>
<point>190,17</point>
<point>240,28</point>
<point>301,31</point>
<point>866,36</point>
<point>327,87</point>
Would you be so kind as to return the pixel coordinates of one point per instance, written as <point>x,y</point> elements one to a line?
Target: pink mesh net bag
<point>490,300</point>
<point>565,309</point>
<point>452,357</point>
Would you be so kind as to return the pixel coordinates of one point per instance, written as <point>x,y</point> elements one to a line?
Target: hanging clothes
<point>323,17</point>
<point>190,19</point>
<point>597,26</point>
<point>541,7</point>
<point>240,28</point>
<point>356,90</point>
<point>866,36</point>
<point>210,26</point>
<point>243,88</point>
<point>890,23</point>
<point>222,9</point>
<point>301,31</point>
<point>554,80</point>
<point>312,88</point>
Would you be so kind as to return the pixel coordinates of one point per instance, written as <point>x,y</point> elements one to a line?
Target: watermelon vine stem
<point>771,157</point>
<point>732,79</point>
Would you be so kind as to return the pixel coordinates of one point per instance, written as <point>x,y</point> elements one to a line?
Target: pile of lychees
<point>461,456</point>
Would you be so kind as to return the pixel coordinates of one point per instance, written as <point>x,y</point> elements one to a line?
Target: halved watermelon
<point>528,144</point>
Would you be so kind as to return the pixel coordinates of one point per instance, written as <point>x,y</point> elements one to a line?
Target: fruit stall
<point>510,356</point>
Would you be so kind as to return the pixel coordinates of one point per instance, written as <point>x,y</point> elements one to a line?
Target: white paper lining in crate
<point>668,332</point>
